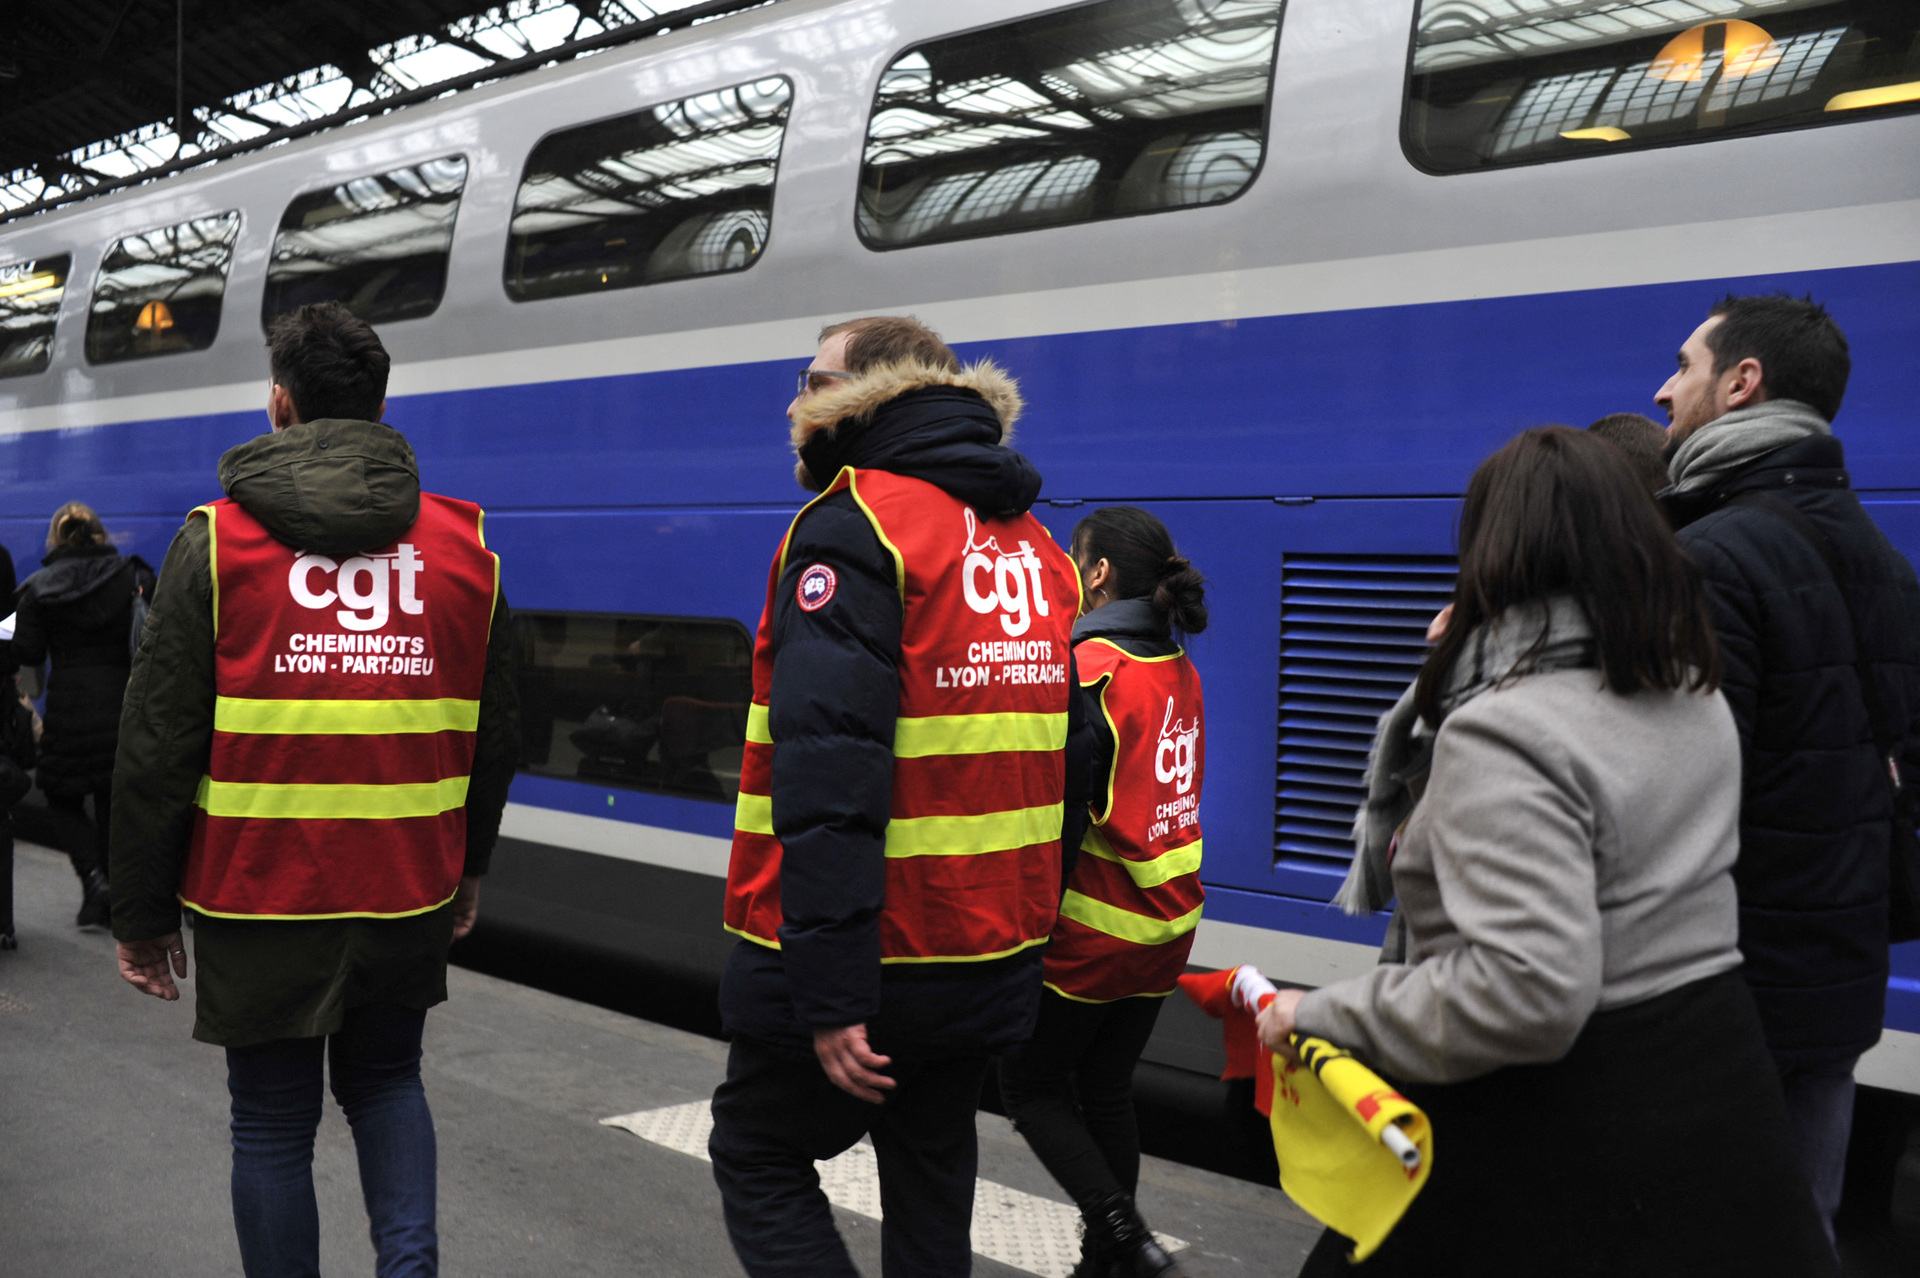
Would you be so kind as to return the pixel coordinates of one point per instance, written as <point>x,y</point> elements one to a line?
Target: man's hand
<point>850,1063</point>
<point>1275,1023</point>
<point>143,965</point>
<point>466,907</point>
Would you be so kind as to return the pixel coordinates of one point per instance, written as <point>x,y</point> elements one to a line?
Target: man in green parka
<point>350,891</point>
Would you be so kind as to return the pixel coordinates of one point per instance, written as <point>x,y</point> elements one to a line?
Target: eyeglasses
<point>813,380</point>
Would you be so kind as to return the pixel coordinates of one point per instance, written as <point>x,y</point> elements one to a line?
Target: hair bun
<point>1175,563</point>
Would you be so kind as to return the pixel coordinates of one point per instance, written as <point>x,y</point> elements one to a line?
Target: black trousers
<point>6,873</point>
<point>84,840</point>
<point>1069,1091</point>
<point>778,1112</point>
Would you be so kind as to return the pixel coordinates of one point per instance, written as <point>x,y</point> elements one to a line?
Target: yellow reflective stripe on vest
<point>977,734</point>
<point>1125,924</point>
<point>324,802</point>
<point>1145,874</point>
<point>758,732</point>
<point>753,813</point>
<point>972,835</point>
<point>934,835</point>
<point>344,718</point>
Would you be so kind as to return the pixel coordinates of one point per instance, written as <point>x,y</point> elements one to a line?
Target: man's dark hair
<point>878,340</point>
<point>330,361</point>
<point>1802,352</point>
<point>1642,439</point>
<point>1558,512</point>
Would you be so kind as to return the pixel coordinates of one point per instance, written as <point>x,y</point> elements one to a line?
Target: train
<point>1280,271</point>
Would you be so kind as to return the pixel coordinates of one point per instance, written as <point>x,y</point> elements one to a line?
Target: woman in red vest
<point>1132,895</point>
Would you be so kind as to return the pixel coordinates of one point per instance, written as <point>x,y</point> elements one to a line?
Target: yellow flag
<point>1329,1116</point>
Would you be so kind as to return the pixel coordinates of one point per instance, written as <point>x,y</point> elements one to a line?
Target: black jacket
<point>78,609</point>
<point>1134,627</point>
<point>834,701</point>
<point>1812,873</point>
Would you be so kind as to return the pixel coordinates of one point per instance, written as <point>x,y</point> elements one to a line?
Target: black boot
<point>1094,1260</point>
<point>1129,1245</point>
<point>96,902</point>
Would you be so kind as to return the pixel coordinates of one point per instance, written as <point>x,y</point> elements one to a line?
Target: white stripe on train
<point>1822,239</point>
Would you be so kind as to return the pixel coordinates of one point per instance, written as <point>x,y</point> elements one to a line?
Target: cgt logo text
<point>999,582</point>
<point>363,583</point>
<point>1173,758</point>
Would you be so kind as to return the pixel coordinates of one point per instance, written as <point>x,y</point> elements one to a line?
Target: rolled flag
<point>1354,1153</point>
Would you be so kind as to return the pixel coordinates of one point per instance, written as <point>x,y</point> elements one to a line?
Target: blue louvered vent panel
<point>1352,636</point>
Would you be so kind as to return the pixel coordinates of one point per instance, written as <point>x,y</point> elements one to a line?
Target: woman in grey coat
<point>1569,1009</point>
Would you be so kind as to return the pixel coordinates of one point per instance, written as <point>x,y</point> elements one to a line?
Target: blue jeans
<point>1820,1112</point>
<point>275,1086</point>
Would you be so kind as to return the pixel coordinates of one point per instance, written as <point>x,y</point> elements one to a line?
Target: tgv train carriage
<point>1282,273</point>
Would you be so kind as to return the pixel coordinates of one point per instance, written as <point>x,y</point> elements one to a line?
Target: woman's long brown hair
<point>1558,512</point>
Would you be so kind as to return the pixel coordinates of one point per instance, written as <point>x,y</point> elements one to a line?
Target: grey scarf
<point>1403,744</point>
<point>1742,436</point>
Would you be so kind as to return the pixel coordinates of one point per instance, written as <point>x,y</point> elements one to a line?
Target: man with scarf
<point>917,760</point>
<point>1751,443</point>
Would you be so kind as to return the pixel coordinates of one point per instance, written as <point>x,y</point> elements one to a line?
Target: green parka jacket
<point>331,487</point>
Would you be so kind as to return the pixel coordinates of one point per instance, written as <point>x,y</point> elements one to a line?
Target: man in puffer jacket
<point>1758,385</point>
<point>916,758</point>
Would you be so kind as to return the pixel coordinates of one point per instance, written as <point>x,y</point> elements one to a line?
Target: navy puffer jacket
<point>1814,829</point>
<point>835,699</point>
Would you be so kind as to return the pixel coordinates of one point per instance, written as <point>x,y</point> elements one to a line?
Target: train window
<point>1499,82</point>
<point>674,191</point>
<point>378,244</point>
<point>158,293</point>
<point>30,294</point>
<point>642,703</point>
<point>1108,109</point>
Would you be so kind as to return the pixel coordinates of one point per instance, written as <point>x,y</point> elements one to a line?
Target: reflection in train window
<point>642,703</point>
<point>674,191</point>
<point>1498,82</point>
<point>159,293</point>
<point>30,294</point>
<point>379,244</point>
<point>1125,106</point>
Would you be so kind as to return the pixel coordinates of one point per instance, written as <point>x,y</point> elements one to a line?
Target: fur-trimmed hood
<point>949,428</point>
<point>853,402</point>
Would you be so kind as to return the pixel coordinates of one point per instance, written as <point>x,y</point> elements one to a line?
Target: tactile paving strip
<point>1022,1230</point>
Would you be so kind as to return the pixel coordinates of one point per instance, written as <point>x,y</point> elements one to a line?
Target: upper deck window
<point>30,294</point>
<point>1497,82</point>
<point>159,292</point>
<point>378,244</point>
<point>674,191</point>
<point>1119,107</point>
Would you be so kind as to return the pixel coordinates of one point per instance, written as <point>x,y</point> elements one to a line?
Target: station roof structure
<point>96,95</point>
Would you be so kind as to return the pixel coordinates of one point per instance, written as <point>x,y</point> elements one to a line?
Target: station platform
<point>114,1156</point>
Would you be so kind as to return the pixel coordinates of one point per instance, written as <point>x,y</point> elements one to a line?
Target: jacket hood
<point>1122,618</point>
<point>73,573</point>
<point>330,486</point>
<point>947,428</point>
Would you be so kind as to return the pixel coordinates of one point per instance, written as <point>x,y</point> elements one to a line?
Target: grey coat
<point>1572,853</point>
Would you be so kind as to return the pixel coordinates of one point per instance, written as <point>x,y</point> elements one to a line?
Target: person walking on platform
<point>1570,1012</point>
<point>318,739</point>
<point>1133,900</point>
<point>916,752</point>
<point>79,610</point>
<point>1819,621</point>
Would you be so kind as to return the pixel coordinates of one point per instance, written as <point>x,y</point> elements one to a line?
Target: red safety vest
<point>1127,920</point>
<point>973,841</point>
<point>347,694</point>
